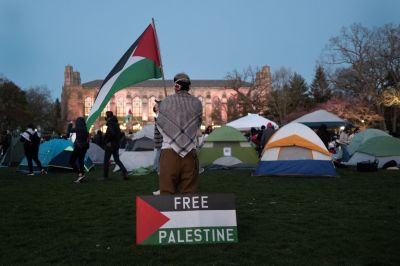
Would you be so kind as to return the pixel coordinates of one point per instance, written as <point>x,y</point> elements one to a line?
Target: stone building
<point>77,99</point>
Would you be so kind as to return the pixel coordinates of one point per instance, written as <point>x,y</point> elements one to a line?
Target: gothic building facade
<point>77,99</point>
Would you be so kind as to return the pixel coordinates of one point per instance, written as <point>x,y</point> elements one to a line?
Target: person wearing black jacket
<point>31,142</point>
<point>81,145</point>
<point>112,139</point>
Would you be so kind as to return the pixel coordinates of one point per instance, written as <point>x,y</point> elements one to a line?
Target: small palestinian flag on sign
<point>141,62</point>
<point>186,219</point>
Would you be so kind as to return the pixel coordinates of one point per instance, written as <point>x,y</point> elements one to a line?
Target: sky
<point>207,39</point>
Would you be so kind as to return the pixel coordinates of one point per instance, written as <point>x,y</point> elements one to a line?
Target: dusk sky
<point>206,39</point>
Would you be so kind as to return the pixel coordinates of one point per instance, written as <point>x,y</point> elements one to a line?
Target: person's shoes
<point>30,174</point>
<point>125,176</point>
<point>156,193</point>
<point>201,170</point>
<point>80,178</point>
<point>43,172</point>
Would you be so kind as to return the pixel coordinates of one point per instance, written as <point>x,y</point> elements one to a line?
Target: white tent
<point>251,120</point>
<point>315,119</point>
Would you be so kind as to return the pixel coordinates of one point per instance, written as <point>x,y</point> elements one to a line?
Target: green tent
<point>381,148</point>
<point>362,137</point>
<point>227,147</point>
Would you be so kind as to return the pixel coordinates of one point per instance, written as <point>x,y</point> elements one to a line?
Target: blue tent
<point>47,152</point>
<point>61,160</point>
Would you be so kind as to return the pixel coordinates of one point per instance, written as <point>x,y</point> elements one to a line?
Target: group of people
<point>178,120</point>
<point>260,137</point>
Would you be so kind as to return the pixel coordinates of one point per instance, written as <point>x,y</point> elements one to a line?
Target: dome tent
<point>362,137</point>
<point>381,148</point>
<point>227,147</point>
<point>295,150</point>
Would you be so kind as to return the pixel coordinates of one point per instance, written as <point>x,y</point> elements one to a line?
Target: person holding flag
<point>140,62</point>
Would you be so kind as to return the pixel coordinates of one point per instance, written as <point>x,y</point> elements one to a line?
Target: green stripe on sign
<point>194,235</point>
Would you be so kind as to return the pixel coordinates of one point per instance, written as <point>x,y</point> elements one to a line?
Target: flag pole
<point>159,55</point>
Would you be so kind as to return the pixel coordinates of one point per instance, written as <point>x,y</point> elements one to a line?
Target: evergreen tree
<point>298,93</point>
<point>320,90</point>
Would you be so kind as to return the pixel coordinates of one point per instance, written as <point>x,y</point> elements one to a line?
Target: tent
<point>227,147</point>
<point>295,149</point>
<point>142,140</point>
<point>47,152</point>
<point>245,123</point>
<point>319,117</point>
<point>95,153</point>
<point>139,151</point>
<point>15,153</point>
<point>362,137</point>
<point>133,160</point>
<point>61,160</point>
<point>381,148</point>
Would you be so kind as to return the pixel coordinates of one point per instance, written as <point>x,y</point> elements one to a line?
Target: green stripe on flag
<point>142,70</point>
<point>194,235</point>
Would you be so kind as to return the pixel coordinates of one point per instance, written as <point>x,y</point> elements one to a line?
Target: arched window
<point>152,102</point>
<point>107,108</point>
<point>88,105</point>
<point>216,110</point>
<point>202,104</point>
<point>137,106</point>
<point>120,107</point>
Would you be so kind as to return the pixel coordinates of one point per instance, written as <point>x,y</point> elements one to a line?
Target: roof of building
<point>169,83</point>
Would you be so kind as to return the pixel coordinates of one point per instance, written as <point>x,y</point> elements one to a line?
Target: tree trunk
<point>394,119</point>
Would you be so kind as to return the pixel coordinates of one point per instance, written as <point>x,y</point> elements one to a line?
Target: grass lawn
<point>350,220</point>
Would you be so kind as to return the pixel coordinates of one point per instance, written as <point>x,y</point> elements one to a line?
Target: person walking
<point>112,139</point>
<point>157,144</point>
<point>81,145</point>
<point>178,121</point>
<point>31,141</point>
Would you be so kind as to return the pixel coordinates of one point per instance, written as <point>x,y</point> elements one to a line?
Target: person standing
<point>5,142</point>
<point>81,145</point>
<point>344,142</point>
<point>158,139</point>
<point>31,141</point>
<point>324,135</point>
<point>178,121</point>
<point>112,139</point>
<point>267,134</point>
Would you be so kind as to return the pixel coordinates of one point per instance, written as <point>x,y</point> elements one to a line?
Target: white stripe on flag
<point>106,88</point>
<point>181,219</point>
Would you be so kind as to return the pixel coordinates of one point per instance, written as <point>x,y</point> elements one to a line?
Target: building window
<point>137,106</point>
<point>202,104</point>
<point>120,107</point>
<point>152,102</point>
<point>88,105</point>
<point>107,108</point>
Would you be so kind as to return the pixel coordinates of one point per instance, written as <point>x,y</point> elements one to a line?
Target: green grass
<point>350,220</point>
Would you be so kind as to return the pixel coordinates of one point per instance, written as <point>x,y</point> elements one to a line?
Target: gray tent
<point>95,153</point>
<point>142,140</point>
<point>15,153</point>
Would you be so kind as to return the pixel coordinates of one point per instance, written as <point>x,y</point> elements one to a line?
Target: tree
<point>278,100</point>
<point>298,91</point>
<point>39,99</point>
<point>319,87</point>
<point>13,106</point>
<point>216,114</point>
<point>364,58</point>
<point>251,88</point>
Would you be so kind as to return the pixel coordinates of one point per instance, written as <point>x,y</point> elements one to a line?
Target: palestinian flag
<point>186,219</point>
<point>139,63</point>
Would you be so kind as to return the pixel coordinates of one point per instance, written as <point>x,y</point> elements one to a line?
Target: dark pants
<point>32,154</point>
<point>107,155</point>
<point>79,154</point>
<point>177,174</point>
